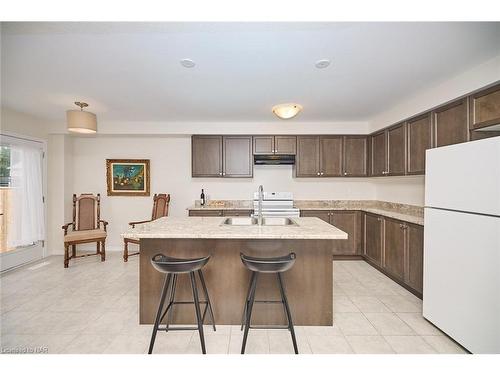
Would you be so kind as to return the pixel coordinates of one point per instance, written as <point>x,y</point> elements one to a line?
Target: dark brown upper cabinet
<point>373,237</point>
<point>206,156</point>
<point>394,247</point>
<point>320,214</point>
<point>355,157</point>
<point>221,156</point>
<point>270,144</point>
<point>450,123</point>
<point>330,156</point>
<point>285,145</point>
<point>307,160</point>
<point>237,156</point>
<point>485,107</point>
<point>263,144</point>
<point>396,150</point>
<point>419,130</point>
<point>378,154</point>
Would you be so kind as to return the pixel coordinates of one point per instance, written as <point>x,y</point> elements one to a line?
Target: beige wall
<point>23,124</point>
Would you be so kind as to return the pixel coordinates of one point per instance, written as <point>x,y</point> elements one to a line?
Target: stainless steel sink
<point>266,221</point>
<point>240,221</point>
<point>277,221</point>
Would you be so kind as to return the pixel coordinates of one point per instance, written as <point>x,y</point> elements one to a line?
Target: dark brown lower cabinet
<point>348,221</point>
<point>394,247</point>
<point>321,214</point>
<point>373,238</point>
<point>415,256</point>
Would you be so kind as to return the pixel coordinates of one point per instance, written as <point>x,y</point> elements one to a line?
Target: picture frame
<point>128,177</point>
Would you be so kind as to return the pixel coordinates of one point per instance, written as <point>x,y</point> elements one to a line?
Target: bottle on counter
<point>202,198</point>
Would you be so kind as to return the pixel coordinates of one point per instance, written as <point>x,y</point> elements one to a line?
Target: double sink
<point>266,221</point>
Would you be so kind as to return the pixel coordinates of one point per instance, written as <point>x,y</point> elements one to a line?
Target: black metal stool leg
<point>171,302</point>
<point>249,312</point>
<point>207,298</point>
<point>158,314</point>
<point>243,317</point>
<point>197,309</point>
<point>288,314</point>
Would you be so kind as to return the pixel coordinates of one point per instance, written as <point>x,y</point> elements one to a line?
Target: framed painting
<point>128,177</point>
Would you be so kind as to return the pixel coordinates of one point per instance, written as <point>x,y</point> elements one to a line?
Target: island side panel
<point>309,284</point>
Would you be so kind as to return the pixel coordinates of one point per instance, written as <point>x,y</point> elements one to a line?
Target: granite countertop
<point>210,227</point>
<point>404,212</point>
<point>223,205</point>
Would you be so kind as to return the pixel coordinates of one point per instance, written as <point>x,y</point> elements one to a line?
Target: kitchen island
<point>309,283</point>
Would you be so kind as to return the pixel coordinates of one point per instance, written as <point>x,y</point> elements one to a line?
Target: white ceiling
<point>131,71</point>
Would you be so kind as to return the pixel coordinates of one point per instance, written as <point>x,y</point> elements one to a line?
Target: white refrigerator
<point>461,292</point>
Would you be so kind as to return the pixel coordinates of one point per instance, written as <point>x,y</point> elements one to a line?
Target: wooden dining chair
<point>160,209</point>
<point>86,227</point>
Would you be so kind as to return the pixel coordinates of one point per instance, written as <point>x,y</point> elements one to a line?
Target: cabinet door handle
<point>321,173</point>
<point>345,173</point>
<point>220,173</point>
<point>318,173</point>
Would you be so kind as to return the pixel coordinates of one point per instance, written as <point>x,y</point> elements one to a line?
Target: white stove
<point>275,204</point>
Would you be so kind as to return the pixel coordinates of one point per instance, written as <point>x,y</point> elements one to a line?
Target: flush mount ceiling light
<point>188,63</point>
<point>287,110</point>
<point>79,121</point>
<point>321,64</point>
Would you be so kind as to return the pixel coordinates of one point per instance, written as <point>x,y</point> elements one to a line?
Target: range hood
<point>273,159</point>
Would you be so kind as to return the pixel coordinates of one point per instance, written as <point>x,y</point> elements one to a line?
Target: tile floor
<point>92,307</point>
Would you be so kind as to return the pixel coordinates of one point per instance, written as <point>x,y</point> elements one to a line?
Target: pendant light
<point>79,121</point>
<point>287,110</point>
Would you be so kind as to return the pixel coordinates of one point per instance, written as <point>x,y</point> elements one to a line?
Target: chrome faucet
<point>261,198</point>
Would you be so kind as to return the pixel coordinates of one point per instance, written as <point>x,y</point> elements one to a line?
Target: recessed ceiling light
<point>188,63</point>
<point>321,64</point>
<point>287,110</point>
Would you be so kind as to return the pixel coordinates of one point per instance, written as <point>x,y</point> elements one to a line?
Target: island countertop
<point>212,227</point>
